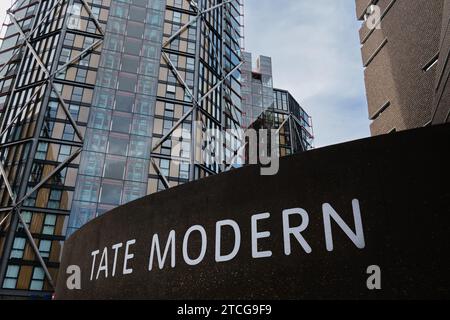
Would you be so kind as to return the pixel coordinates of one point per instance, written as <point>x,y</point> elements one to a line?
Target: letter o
<point>187,259</point>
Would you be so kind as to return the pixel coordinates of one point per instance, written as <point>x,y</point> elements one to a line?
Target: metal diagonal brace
<point>8,185</point>
<point>12,121</point>
<point>35,249</point>
<point>64,67</point>
<point>282,124</point>
<point>30,33</point>
<point>187,114</point>
<point>47,73</point>
<point>55,171</point>
<point>164,178</point>
<point>5,218</point>
<point>193,20</point>
<point>97,23</point>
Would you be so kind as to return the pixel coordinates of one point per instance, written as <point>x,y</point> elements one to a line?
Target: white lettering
<point>156,247</point>
<point>259,235</point>
<point>237,240</point>
<point>295,231</point>
<point>189,261</point>
<point>329,212</point>
<point>128,257</point>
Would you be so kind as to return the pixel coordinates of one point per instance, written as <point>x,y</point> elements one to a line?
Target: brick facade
<point>400,73</point>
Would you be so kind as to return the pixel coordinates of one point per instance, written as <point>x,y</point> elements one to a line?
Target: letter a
<point>374,281</point>
<point>74,280</point>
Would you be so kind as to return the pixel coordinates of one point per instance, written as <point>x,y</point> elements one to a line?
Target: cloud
<point>4,5</point>
<point>316,56</point>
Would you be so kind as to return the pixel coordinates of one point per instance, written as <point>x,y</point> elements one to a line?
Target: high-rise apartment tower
<point>93,94</point>
<point>268,108</point>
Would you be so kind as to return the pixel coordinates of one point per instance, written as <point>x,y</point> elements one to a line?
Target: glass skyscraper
<point>268,108</point>
<point>93,94</point>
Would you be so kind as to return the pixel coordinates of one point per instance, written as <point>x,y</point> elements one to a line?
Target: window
<point>171,88</point>
<point>127,82</point>
<point>18,248</point>
<point>101,119</point>
<point>150,51</point>
<point>41,152</point>
<point>136,170</point>
<point>120,123</point>
<point>116,25</point>
<point>133,191</point>
<point>137,14</point>
<point>92,164</point>
<point>110,60</point>
<point>124,102</point>
<point>169,110</point>
<point>148,67</point>
<point>139,147</point>
<point>74,111</point>
<point>26,216</point>
<point>54,199</point>
<point>165,165</point>
<point>141,3</point>
<point>49,224</point>
<point>114,167</point>
<point>168,124</point>
<point>141,126</point>
<point>144,104</point>
<point>77,94</point>
<point>12,273</point>
<point>104,98</point>
<point>52,109</point>
<point>44,248</point>
<point>69,132</point>
<point>132,46</point>
<point>184,171</point>
<point>190,64</point>
<point>88,188</point>
<point>117,145</point>
<point>111,193</point>
<point>166,147</point>
<point>119,10</point>
<point>135,30</point>
<point>64,153</point>
<point>146,85</point>
<point>37,281</point>
<point>177,17</point>
<point>114,42</point>
<point>130,64</point>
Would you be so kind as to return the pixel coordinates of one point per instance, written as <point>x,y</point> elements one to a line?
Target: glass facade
<point>91,96</point>
<point>268,108</point>
<point>115,160</point>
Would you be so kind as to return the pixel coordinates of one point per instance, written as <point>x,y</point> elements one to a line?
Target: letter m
<point>156,247</point>
<point>357,238</point>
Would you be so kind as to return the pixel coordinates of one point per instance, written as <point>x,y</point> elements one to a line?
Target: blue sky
<point>316,55</point>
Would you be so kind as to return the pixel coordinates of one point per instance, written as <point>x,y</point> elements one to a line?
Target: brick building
<point>406,62</point>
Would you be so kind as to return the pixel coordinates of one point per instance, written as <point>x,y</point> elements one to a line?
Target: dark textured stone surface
<point>401,181</point>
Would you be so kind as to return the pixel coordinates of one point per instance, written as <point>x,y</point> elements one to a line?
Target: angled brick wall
<point>400,89</point>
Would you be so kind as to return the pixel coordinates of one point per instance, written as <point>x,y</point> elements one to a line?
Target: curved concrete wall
<point>312,231</point>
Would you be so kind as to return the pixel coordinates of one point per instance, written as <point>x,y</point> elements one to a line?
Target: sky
<point>316,56</point>
<point>4,5</point>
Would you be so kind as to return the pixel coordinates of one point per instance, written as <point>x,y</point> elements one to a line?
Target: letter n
<point>357,238</point>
